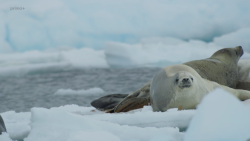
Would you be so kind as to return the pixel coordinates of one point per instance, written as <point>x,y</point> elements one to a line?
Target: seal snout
<point>186,82</point>
<point>240,50</point>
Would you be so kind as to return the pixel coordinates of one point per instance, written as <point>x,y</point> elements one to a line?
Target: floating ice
<point>5,137</point>
<point>59,125</point>
<point>159,52</point>
<point>32,61</point>
<point>17,124</point>
<point>89,23</point>
<point>89,92</point>
<point>220,116</point>
<point>72,122</point>
<point>237,38</point>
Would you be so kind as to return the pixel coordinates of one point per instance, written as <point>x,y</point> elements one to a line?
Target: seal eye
<point>192,79</point>
<point>236,52</point>
<point>177,80</point>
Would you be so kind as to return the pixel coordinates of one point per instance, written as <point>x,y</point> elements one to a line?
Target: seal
<point>181,86</point>
<point>221,68</point>
<point>244,70</point>
<point>2,125</point>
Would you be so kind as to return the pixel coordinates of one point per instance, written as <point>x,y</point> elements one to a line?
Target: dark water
<point>36,90</point>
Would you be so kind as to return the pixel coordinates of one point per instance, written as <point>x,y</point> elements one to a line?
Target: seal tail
<point>2,125</point>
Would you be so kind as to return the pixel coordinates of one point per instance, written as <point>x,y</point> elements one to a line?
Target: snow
<point>51,60</point>
<point>220,116</point>
<point>61,35</point>
<point>17,124</point>
<point>149,52</point>
<point>5,137</point>
<point>45,24</point>
<point>159,52</point>
<point>89,92</point>
<point>50,127</point>
<point>216,121</point>
<point>239,37</point>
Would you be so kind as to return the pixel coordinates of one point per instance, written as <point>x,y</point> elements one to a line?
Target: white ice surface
<point>219,116</point>
<point>60,125</point>
<point>52,60</point>
<point>17,124</point>
<point>239,37</point>
<point>87,23</point>
<point>5,137</point>
<point>155,51</point>
<point>89,92</point>
<point>160,52</point>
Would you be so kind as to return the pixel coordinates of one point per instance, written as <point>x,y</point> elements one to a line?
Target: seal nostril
<point>185,79</point>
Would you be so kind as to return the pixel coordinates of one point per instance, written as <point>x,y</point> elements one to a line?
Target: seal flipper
<point>132,104</point>
<point>243,86</point>
<point>134,100</point>
<point>108,102</point>
<point>2,125</point>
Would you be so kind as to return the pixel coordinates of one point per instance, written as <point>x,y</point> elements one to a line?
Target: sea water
<point>38,89</point>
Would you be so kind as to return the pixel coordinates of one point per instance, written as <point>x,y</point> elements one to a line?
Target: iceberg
<point>88,23</point>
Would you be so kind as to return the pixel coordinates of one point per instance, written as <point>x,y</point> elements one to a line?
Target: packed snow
<point>220,116</point>
<point>75,123</point>
<point>49,24</point>
<point>159,52</point>
<point>60,35</point>
<point>51,60</point>
<point>149,52</point>
<point>89,92</point>
<point>63,35</point>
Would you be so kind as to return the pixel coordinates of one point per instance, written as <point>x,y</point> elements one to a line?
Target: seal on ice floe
<point>2,125</point>
<point>219,70</point>
<point>181,86</point>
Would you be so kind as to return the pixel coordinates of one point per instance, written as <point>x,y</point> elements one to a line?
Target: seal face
<point>176,86</point>
<point>184,80</point>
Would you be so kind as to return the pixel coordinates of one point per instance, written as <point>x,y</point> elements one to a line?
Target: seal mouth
<point>185,86</point>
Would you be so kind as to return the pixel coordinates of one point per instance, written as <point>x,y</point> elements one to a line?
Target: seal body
<point>195,79</point>
<point>221,67</point>
<point>177,86</point>
<point>181,86</point>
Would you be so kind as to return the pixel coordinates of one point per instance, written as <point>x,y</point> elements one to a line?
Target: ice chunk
<point>5,137</point>
<point>90,24</point>
<point>59,125</point>
<point>220,116</point>
<point>89,92</point>
<point>32,61</point>
<point>17,124</point>
<point>157,52</point>
<point>237,38</point>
